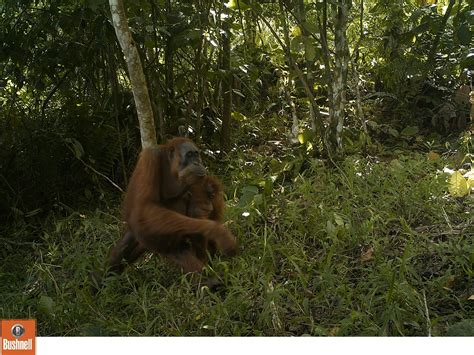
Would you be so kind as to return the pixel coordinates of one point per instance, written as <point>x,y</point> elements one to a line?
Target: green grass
<point>375,248</point>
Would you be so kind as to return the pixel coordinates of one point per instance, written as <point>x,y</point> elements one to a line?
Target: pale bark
<point>306,36</point>
<point>339,82</point>
<point>135,72</point>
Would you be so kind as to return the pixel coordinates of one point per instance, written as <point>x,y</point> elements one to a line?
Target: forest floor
<point>374,247</point>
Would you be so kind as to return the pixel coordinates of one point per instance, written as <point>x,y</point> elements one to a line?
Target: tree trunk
<point>200,67</point>
<point>339,77</point>
<point>135,71</point>
<point>171,112</point>
<point>306,36</point>
<point>226,86</point>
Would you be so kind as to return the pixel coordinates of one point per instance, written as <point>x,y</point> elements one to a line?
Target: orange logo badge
<point>18,337</point>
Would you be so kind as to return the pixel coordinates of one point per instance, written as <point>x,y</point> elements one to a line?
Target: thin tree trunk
<point>156,85</point>
<point>306,36</point>
<point>135,71</point>
<point>339,79</point>
<point>171,112</point>
<point>355,61</point>
<point>226,86</point>
<point>200,55</point>
<point>295,126</point>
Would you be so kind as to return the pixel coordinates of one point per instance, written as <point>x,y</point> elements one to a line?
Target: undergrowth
<point>369,248</point>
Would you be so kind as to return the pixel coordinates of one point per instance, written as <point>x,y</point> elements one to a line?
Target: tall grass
<point>374,248</point>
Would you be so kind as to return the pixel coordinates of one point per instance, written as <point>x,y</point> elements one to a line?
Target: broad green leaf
<point>393,132</point>
<point>338,219</point>
<point>310,27</point>
<point>309,50</point>
<point>458,186</point>
<point>372,124</point>
<point>250,190</point>
<point>409,131</point>
<point>258,199</point>
<point>330,228</point>
<point>248,194</point>
<point>46,304</point>
<point>396,165</point>
<point>295,44</point>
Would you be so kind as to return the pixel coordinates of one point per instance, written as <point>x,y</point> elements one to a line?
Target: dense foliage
<point>344,122</point>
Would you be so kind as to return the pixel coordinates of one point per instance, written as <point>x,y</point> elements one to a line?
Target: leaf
<point>46,304</point>
<point>33,213</point>
<point>338,219</point>
<point>409,131</point>
<point>431,156</point>
<point>458,185</point>
<point>305,137</point>
<point>238,116</point>
<point>372,124</point>
<point>330,228</point>
<point>248,195</point>
<point>311,27</point>
<point>309,50</point>
<point>464,35</point>
<point>367,255</point>
<point>76,146</point>
<point>296,31</point>
<point>301,138</point>
<point>295,44</point>
<point>232,4</point>
<point>471,298</point>
<point>236,4</point>
<point>250,190</point>
<point>395,164</point>
<point>393,132</point>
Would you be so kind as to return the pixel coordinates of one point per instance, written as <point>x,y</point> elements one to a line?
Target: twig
<point>427,313</point>
<point>445,215</point>
<point>95,171</point>
<point>100,174</point>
